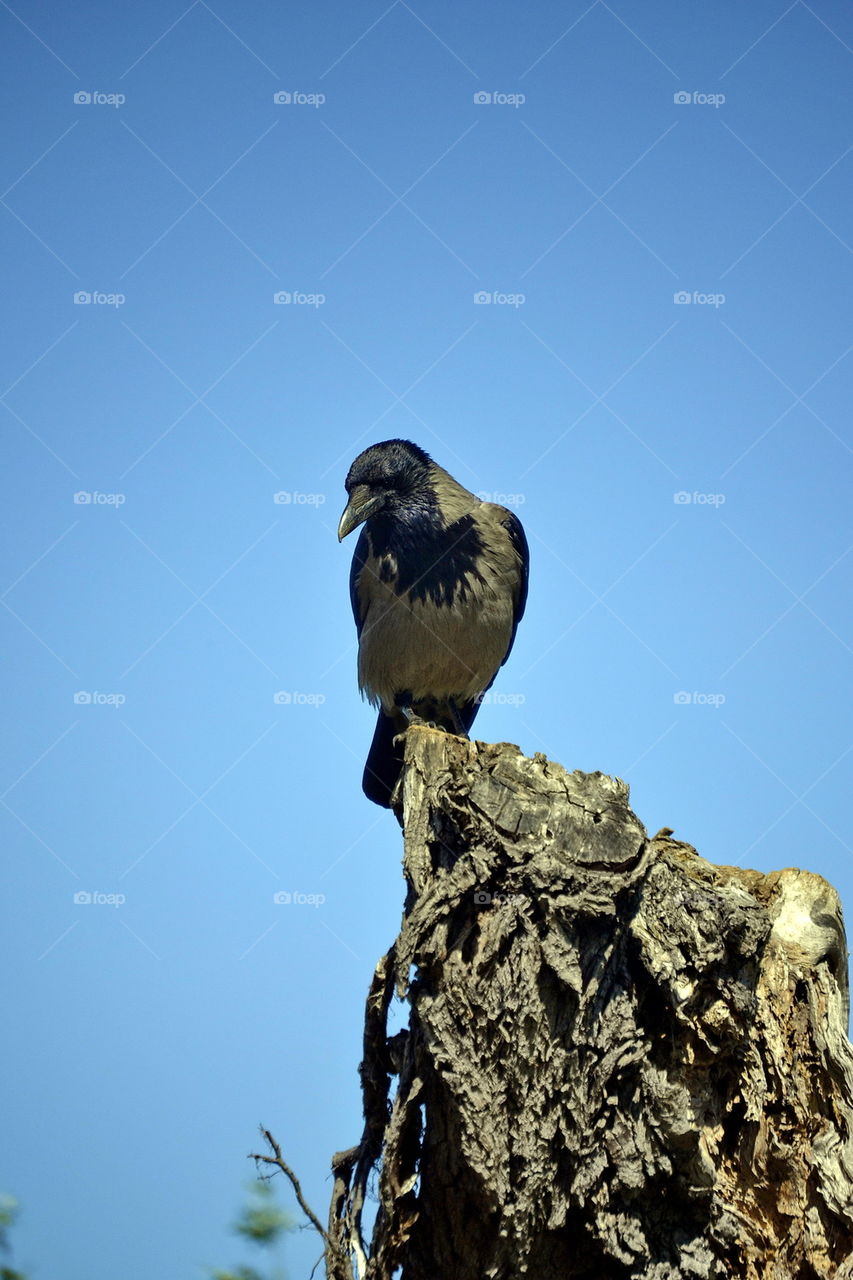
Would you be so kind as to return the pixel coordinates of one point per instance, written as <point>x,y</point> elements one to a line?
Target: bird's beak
<point>361,506</point>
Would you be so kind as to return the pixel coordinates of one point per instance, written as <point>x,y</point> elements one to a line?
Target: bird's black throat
<point>434,561</point>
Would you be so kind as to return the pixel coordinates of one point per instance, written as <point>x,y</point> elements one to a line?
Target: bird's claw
<point>414,718</point>
<point>417,722</point>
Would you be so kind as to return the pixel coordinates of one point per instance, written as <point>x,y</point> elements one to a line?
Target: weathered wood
<point>622,1062</point>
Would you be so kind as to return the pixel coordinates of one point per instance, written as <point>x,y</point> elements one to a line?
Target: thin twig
<point>278,1160</point>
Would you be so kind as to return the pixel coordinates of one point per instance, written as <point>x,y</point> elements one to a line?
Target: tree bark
<point>621,1063</point>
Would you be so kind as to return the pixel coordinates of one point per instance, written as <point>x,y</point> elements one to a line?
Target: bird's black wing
<point>385,759</point>
<point>515,532</point>
<point>517,537</point>
<point>359,559</point>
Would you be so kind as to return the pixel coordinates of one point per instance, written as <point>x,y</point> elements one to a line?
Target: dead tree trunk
<point>621,1061</point>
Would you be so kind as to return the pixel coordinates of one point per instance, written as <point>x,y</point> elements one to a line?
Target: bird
<point>438,585</point>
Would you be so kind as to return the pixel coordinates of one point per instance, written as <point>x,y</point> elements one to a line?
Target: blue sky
<point>656,201</point>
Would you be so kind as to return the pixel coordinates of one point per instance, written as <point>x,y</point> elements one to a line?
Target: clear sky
<point>682,468</point>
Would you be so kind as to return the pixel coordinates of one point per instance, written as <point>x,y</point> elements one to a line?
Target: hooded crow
<point>438,586</point>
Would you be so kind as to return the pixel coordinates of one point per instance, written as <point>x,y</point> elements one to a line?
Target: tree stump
<point>622,1062</point>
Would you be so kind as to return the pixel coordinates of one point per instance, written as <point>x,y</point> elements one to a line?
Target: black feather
<point>394,464</point>
<point>517,537</point>
<point>359,559</point>
<point>384,761</point>
<point>434,561</point>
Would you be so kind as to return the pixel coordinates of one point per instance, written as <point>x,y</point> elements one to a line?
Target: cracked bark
<point>622,1062</point>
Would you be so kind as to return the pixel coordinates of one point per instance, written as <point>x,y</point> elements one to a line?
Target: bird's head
<point>383,478</point>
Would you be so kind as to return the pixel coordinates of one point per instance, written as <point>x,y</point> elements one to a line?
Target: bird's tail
<point>385,758</point>
<point>384,762</point>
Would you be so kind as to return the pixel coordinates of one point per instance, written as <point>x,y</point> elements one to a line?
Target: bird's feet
<point>414,720</point>
<point>442,727</point>
<point>450,721</point>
